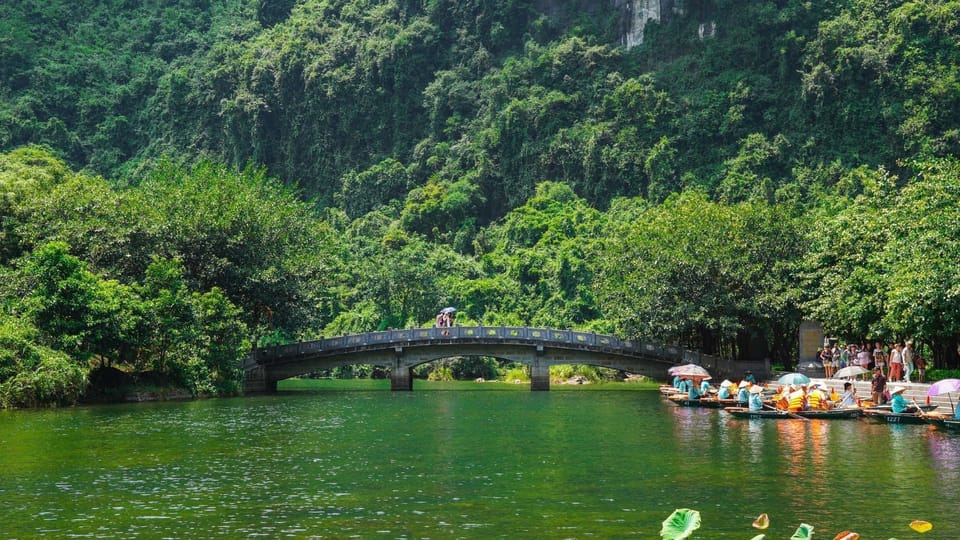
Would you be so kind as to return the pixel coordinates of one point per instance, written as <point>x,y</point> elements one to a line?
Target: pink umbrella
<point>692,371</point>
<point>944,386</point>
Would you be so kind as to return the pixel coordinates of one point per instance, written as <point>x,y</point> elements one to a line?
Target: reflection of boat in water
<point>709,402</point>
<point>944,422</point>
<point>829,414</point>
<point>890,417</point>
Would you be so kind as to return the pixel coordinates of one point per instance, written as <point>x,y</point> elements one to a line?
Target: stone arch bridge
<point>401,350</point>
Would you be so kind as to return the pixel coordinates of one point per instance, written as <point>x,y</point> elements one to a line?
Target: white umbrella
<point>850,371</point>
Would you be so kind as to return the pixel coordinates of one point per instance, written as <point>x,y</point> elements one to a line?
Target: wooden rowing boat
<point>890,417</point>
<point>830,414</point>
<point>668,390</point>
<point>709,402</point>
<point>889,408</point>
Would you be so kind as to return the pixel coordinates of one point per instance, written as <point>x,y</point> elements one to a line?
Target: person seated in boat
<point>756,397</point>
<point>781,399</point>
<point>676,381</point>
<point>956,413</point>
<point>849,396</point>
<point>692,391</point>
<point>817,399</point>
<point>705,388</point>
<point>743,393</point>
<point>748,376</point>
<point>724,392</point>
<point>898,403</point>
<point>797,400</point>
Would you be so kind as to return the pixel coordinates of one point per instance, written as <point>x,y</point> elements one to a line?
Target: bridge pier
<point>539,376</point>
<point>257,382</point>
<point>401,377</point>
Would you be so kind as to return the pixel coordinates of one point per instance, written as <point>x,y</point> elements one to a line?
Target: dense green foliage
<point>509,158</point>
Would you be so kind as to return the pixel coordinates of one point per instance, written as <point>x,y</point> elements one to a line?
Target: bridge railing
<point>514,334</point>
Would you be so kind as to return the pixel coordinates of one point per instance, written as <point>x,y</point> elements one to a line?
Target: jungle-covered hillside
<point>184,179</point>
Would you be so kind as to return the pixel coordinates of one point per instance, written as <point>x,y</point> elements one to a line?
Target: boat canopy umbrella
<point>691,371</point>
<point>794,378</point>
<point>850,371</point>
<point>945,386</point>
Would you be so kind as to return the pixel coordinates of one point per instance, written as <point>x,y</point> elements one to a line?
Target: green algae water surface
<point>445,462</point>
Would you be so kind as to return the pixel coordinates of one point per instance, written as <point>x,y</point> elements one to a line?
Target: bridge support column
<point>401,377</point>
<point>539,376</point>
<point>255,381</point>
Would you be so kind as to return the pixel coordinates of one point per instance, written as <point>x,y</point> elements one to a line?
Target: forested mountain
<point>323,166</point>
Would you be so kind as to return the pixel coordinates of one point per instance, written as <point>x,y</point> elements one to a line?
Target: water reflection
<point>461,464</point>
<point>944,450</point>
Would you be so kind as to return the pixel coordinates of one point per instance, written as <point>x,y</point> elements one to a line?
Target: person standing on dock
<point>896,363</point>
<point>878,386</point>
<point>879,358</point>
<point>907,360</point>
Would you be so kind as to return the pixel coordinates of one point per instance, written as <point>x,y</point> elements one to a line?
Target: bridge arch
<point>401,350</point>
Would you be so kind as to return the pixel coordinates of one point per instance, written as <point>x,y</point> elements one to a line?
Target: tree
<point>844,269</point>
<point>922,300</point>
<point>706,275</point>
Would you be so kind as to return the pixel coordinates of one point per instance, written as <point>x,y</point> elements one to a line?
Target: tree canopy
<point>182,180</point>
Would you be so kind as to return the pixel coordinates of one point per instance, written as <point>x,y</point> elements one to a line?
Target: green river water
<point>461,460</point>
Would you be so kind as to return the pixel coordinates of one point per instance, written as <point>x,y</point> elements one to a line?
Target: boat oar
<point>917,405</point>
<point>790,414</point>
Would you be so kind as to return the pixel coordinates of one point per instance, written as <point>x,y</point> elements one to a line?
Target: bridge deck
<point>402,349</point>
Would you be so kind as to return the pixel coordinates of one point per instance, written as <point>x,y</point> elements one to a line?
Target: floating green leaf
<point>681,524</point>
<point>804,532</point>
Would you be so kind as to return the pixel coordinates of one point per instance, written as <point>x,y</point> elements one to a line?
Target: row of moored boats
<point>919,414</point>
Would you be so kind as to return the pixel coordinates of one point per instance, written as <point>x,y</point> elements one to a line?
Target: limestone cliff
<point>637,13</point>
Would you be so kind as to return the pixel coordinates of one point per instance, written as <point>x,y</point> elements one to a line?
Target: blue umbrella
<point>793,378</point>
